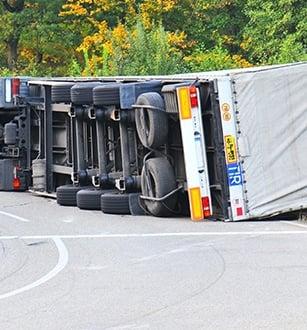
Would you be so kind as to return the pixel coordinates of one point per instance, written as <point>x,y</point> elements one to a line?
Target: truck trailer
<point>226,145</point>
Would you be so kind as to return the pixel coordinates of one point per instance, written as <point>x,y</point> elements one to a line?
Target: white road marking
<point>94,267</point>
<point>62,262</point>
<point>179,234</point>
<point>68,220</point>
<point>14,216</point>
<point>130,326</point>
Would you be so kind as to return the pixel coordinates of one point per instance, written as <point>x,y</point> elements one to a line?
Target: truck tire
<point>115,203</point>
<point>90,199</point>
<point>134,204</point>
<point>105,95</point>
<point>67,195</point>
<point>1,131</point>
<point>82,93</point>
<point>151,124</point>
<point>61,93</point>
<point>158,179</point>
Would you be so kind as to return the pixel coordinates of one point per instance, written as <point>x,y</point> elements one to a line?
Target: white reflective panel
<point>8,90</point>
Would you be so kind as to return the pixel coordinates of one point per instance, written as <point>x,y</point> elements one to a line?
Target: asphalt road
<point>62,268</point>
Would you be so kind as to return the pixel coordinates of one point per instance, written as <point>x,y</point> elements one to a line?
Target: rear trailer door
<point>194,149</point>
<point>237,206</point>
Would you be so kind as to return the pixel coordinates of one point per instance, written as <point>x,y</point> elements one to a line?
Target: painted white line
<point>295,224</point>
<point>62,262</point>
<point>16,217</point>
<point>180,234</point>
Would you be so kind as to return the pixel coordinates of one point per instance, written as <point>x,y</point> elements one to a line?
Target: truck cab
<point>14,131</point>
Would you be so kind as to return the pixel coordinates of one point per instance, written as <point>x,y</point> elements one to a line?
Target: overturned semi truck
<point>226,145</point>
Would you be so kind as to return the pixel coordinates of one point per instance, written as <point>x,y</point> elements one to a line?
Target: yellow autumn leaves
<point>115,27</point>
<point>93,11</point>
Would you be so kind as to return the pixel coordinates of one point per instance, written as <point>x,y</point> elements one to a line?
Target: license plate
<point>231,149</point>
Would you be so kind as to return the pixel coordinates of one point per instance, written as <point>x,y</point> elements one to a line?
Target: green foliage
<point>105,71</point>
<point>5,72</point>
<point>290,50</point>
<point>276,31</point>
<point>38,31</point>
<point>216,59</point>
<point>150,53</point>
<point>140,52</point>
<point>74,69</point>
<point>134,37</point>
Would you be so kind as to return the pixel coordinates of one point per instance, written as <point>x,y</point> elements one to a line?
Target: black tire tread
<point>82,93</point>
<point>115,203</point>
<point>134,204</point>
<point>61,93</point>
<point>105,95</point>
<point>158,121</point>
<point>67,195</point>
<point>89,199</point>
<point>163,175</point>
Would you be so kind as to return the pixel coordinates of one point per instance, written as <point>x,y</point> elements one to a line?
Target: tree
<point>13,6</point>
<point>47,42</point>
<point>276,31</point>
<point>55,37</point>
<point>11,28</point>
<point>115,38</point>
<point>31,32</point>
<point>148,52</point>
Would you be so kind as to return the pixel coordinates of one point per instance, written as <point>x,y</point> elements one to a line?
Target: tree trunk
<point>39,57</point>
<point>16,7</point>
<point>12,52</point>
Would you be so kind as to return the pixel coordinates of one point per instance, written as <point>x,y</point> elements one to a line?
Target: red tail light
<point>239,211</point>
<point>193,97</point>
<point>15,86</point>
<point>206,206</point>
<point>16,183</point>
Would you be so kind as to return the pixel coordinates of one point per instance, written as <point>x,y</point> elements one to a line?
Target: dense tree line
<point>107,37</point>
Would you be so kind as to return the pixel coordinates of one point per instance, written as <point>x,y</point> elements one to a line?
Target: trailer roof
<point>187,76</point>
<point>230,72</point>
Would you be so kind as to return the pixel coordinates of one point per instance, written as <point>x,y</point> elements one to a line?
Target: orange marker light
<point>184,103</point>
<point>196,204</point>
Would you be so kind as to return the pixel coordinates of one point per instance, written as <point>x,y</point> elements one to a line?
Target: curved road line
<point>62,262</point>
<point>14,216</point>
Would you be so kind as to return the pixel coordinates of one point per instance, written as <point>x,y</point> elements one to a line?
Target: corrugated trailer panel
<point>271,110</point>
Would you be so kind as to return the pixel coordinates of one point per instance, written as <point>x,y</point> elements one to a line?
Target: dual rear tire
<point>158,178</point>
